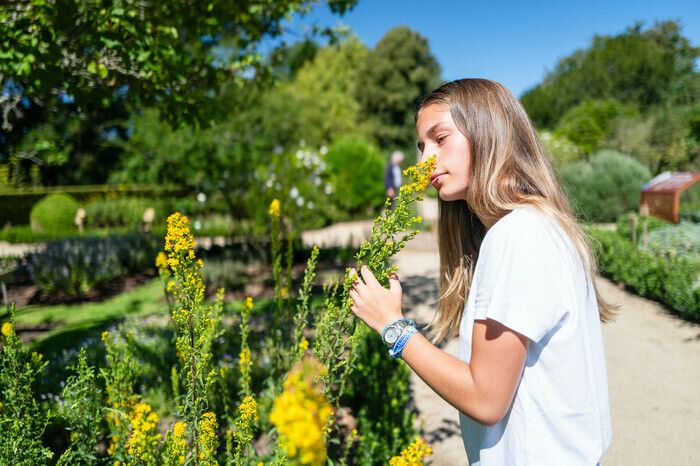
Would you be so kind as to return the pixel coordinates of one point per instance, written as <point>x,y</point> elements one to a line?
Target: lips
<point>435,179</point>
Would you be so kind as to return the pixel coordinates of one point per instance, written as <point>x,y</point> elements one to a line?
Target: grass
<point>78,321</point>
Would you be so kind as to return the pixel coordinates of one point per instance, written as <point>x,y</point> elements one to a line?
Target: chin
<point>450,196</point>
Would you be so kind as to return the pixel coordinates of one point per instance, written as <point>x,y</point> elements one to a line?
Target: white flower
<point>310,205</point>
<point>201,197</point>
<point>328,189</point>
<point>323,150</point>
<point>294,192</point>
<point>300,201</point>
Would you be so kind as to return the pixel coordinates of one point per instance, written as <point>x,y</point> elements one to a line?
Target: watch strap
<point>397,349</point>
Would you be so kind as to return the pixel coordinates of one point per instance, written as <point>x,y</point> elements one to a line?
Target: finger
<point>368,276</point>
<point>394,284</point>
<point>353,273</point>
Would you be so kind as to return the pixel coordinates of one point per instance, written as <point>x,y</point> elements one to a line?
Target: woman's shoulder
<point>524,220</point>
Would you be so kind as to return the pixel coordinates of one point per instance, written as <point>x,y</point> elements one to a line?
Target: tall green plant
<point>196,327</point>
<point>22,421</point>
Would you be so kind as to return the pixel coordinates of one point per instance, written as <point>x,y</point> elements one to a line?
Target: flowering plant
<point>292,419</point>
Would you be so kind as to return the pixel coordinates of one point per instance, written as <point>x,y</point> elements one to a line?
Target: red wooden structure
<point>662,194</point>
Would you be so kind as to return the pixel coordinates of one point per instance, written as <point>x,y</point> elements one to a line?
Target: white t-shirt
<point>529,277</point>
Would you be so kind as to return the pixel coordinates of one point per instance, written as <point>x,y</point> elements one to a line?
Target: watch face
<point>392,334</point>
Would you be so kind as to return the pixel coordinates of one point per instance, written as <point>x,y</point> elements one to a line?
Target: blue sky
<point>513,42</point>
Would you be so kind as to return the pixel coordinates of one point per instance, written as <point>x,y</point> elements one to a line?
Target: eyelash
<point>441,139</point>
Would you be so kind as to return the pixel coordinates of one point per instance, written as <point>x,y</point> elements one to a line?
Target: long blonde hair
<point>508,169</point>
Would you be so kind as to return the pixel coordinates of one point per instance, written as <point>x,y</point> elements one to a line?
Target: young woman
<point>516,284</point>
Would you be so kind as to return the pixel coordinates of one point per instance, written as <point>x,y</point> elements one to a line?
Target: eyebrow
<point>433,129</point>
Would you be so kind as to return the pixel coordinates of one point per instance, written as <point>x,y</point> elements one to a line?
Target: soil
<point>23,295</point>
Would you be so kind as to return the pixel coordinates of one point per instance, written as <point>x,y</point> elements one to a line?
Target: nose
<point>427,152</point>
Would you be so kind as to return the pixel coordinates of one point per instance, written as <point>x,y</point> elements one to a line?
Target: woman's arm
<point>482,389</point>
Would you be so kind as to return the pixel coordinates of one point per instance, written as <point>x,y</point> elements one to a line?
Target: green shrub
<point>605,187</point>
<point>624,228</point>
<point>356,169</point>
<point>75,265</point>
<point>692,216</point>
<point>669,280</point>
<point>382,403</point>
<point>129,211</point>
<point>54,212</point>
<point>119,212</point>
<point>675,240</point>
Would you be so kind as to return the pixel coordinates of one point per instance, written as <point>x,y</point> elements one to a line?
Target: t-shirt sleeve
<point>519,277</point>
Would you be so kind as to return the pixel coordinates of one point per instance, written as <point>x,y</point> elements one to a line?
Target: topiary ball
<point>55,212</point>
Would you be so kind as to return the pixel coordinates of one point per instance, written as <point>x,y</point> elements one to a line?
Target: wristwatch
<point>393,331</point>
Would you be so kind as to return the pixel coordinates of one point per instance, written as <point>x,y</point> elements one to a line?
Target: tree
<point>286,60</point>
<point>396,73</point>
<point>234,160</point>
<point>172,54</point>
<point>662,138</point>
<point>589,122</point>
<point>326,88</point>
<point>646,68</point>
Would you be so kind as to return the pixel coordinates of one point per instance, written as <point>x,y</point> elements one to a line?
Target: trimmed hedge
<point>669,280</point>
<point>15,204</point>
<point>54,212</point>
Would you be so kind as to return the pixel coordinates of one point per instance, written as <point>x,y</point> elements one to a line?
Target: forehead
<point>432,117</point>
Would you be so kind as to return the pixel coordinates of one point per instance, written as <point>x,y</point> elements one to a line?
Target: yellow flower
<point>249,303</point>
<point>303,344</point>
<point>244,358</point>
<point>274,209</point>
<point>179,429</point>
<point>413,454</point>
<point>301,414</point>
<point>6,329</point>
<point>105,336</point>
<point>161,260</point>
<point>248,409</point>
<point>175,448</point>
<point>208,438</point>
<point>420,175</point>
<point>179,242</point>
<point>144,439</point>
<point>284,291</point>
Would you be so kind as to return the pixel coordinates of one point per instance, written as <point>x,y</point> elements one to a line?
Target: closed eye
<point>441,139</point>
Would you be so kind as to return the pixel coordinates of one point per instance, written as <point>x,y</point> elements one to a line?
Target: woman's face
<point>438,134</point>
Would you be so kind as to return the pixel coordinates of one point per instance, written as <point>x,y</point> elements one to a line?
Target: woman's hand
<point>373,303</point>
